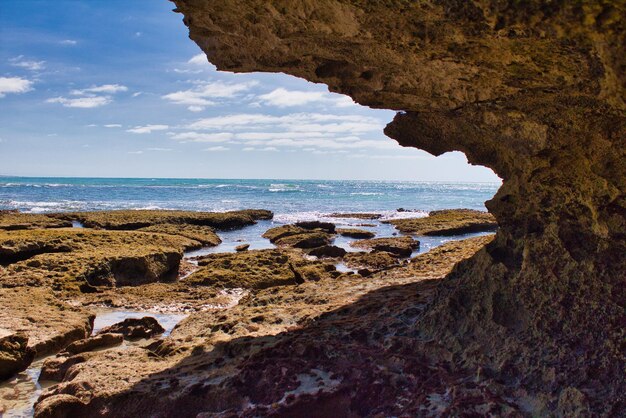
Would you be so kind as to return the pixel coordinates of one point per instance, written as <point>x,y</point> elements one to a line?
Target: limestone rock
<point>131,329</point>
<point>400,246</point>
<point>102,340</point>
<point>331,251</point>
<point>242,247</point>
<point>373,260</point>
<point>136,219</point>
<point>447,222</point>
<point>299,237</point>
<point>15,354</point>
<point>533,90</point>
<point>204,235</point>
<point>258,269</point>
<point>355,233</point>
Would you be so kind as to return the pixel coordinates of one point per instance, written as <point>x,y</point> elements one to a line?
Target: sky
<point>116,89</point>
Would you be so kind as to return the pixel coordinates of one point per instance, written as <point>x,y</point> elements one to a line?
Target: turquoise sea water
<point>284,197</point>
<point>290,200</point>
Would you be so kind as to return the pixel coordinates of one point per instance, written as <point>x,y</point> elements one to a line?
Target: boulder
<point>15,355</point>
<point>242,247</point>
<point>135,328</point>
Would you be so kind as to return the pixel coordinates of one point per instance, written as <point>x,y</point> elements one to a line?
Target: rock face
<point>534,90</point>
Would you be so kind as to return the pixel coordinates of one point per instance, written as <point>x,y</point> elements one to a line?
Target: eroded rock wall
<point>534,90</point>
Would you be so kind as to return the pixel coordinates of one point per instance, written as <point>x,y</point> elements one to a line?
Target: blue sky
<point>116,89</point>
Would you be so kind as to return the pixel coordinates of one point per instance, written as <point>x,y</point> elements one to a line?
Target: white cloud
<point>94,96</point>
<point>137,94</point>
<point>199,59</point>
<point>295,122</point>
<point>281,97</point>
<point>69,42</point>
<point>30,65</point>
<point>81,102</point>
<point>14,85</point>
<point>202,137</point>
<point>105,88</point>
<point>204,94</point>
<point>216,149</point>
<point>135,152</point>
<point>147,129</point>
<point>113,125</point>
<point>138,34</point>
<point>284,98</point>
<point>159,149</point>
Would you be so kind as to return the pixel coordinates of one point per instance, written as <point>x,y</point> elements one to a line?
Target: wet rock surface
<point>302,235</point>
<point>534,91</point>
<point>447,222</point>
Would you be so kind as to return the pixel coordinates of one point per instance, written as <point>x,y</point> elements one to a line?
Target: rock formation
<point>534,90</point>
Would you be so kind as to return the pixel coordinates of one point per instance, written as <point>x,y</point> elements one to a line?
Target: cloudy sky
<point>116,89</point>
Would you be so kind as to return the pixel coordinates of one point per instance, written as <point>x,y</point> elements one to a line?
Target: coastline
<point>131,263</point>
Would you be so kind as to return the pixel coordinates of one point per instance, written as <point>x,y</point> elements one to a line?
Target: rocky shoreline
<point>53,277</point>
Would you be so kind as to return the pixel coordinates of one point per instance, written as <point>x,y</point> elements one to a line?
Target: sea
<point>290,200</point>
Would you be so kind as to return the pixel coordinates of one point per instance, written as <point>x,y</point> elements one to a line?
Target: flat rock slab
<point>11,220</point>
<point>373,261</point>
<point>447,222</point>
<point>74,259</point>
<point>49,323</point>
<point>316,234</point>
<point>136,219</point>
<point>398,246</point>
<point>355,233</point>
<point>257,269</point>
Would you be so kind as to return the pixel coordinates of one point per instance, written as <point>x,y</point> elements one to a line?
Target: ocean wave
<point>284,187</point>
<point>366,194</point>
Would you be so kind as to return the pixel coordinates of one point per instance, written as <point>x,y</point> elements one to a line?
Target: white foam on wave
<point>289,218</point>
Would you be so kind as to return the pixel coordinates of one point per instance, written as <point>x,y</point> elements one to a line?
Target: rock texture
<point>534,90</point>
<point>398,246</point>
<point>332,347</point>
<point>447,222</point>
<point>15,355</point>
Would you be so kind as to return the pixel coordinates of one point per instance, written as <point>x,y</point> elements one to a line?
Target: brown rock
<point>242,247</point>
<point>134,328</point>
<point>400,247</point>
<point>317,225</point>
<point>15,354</point>
<point>447,222</point>
<point>257,269</point>
<point>373,260</point>
<point>103,340</point>
<point>355,233</point>
<point>331,251</point>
